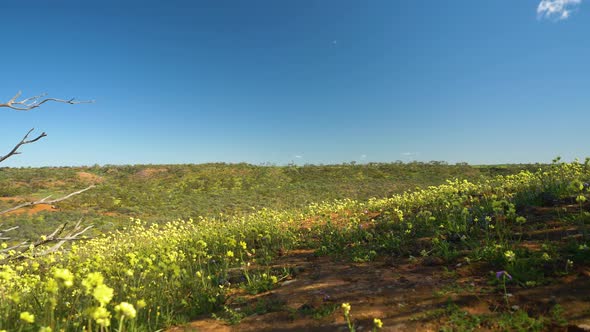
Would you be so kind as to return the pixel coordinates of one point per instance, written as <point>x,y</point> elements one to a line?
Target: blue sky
<point>331,81</point>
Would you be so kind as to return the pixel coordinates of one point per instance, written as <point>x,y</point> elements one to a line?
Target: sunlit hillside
<point>495,253</point>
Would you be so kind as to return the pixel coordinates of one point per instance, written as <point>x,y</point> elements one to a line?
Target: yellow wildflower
<point>510,255</point>
<point>102,316</point>
<point>378,323</point>
<point>126,309</point>
<point>141,304</point>
<point>27,317</point>
<point>103,294</point>
<point>346,308</point>
<point>92,280</point>
<point>65,275</point>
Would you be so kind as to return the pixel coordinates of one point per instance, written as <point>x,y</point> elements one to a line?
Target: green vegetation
<point>169,192</point>
<point>147,275</point>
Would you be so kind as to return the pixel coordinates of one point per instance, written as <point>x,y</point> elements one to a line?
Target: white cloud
<point>298,156</point>
<point>557,9</point>
<point>410,156</point>
<point>363,156</point>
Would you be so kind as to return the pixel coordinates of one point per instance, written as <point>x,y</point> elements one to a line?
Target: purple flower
<point>499,274</point>
<point>326,296</point>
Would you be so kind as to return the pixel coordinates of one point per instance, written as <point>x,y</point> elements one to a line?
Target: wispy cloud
<point>557,9</point>
<point>410,156</point>
<point>298,156</point>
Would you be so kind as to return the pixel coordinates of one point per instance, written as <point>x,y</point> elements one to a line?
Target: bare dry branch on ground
<point>45,201</point>
<point>26,249</point>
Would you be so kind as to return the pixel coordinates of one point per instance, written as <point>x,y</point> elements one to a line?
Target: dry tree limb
<point>4,231</point>
<point>21,250</point>
<point>73,235</point>
<point>24,141</point>
<point>45,201</point>
<point>30,103</point>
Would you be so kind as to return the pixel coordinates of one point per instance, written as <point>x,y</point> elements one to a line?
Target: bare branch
<point>22,244</point>
<point>26,249</point>
<point>8,229</point>
<point>21,250</point>
<point>30,103</point>
<point>45,201</point>
<point>70,237</point>
<point>24,141</point>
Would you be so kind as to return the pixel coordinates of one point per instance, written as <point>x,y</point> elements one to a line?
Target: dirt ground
<point>32,210</point>
<point>407,294</point>
<point>375,290</point>
<point>89,177</point>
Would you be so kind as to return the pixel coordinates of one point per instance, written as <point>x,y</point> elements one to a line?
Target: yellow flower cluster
<point>126,309</point>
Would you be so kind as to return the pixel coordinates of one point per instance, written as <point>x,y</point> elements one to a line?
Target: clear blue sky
<point>330,81</point>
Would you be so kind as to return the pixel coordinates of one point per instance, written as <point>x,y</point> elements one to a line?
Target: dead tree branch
<point>30,103</point>
<point>2,232</point>
<point>24,141</point>
<point>45,201</point>
<point>27,249</point>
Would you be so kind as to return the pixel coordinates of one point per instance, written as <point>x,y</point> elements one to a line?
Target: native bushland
<point>151,275</point>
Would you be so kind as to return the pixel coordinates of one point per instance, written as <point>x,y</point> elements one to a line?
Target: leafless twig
<point>4,231</point>
<point>30,103</point>
<point>24,141</point>
<point>21,250</point>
